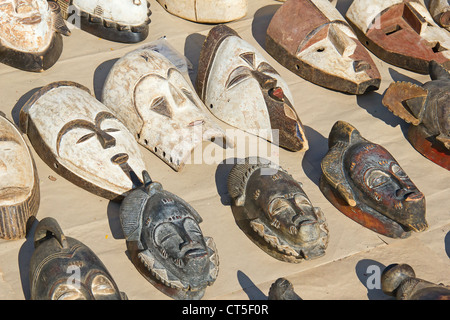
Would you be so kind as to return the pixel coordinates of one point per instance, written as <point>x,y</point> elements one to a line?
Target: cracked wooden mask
<point>400,32</point>
<point>19,183</point>
<point>166,243</point>
<point>30,34</point>
<point>275,213</point>
<point>364,181</point>
<point>206,11</point>
<point>440,10</point>
<point>242,89</point>
<point>63,268</point>
<point>115,20</point>
<point>82,140</point>
<point>427,109</point>
<point>313,40</point>
<point>158,105</point>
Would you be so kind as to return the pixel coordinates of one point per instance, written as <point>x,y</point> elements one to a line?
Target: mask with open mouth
<point>30,34</point>
<point>364,182</point>
<point>82,140</point>
<point>166,243</point>
<point>400,32</point>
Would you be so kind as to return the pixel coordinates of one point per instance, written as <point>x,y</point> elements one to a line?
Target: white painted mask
<point>82,140</point>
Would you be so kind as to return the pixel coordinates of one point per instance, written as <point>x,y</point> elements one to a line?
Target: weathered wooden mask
<point>166,243</point>
<point>440,10</point>
<point>115,20</point>
<point>275,213</point>
<point>63,268</point>
<point>243,90</point>
<point>82,140</point>
<point>365,182</point>
<point>158,105</point>
<point>30,34</point>
<point>400,32</point>
<point>19,183</point>
<point>207,11</point>
<point>313,40</point>
<point>427,109</point>
<point>400,281</point>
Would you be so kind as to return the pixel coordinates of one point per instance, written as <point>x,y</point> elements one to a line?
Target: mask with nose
<point>166,243</point>
<point>81,140</point>
<point>313,40</point>
<point>275,213</point>
<point>366,183</point>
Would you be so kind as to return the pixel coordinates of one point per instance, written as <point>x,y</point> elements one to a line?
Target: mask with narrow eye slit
<point>82,140</point>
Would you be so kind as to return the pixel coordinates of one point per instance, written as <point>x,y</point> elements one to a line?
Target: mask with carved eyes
<point>19,183</point>
<point>157,104</point>
<point>365,182</point>
<point>313,40</point>
<point>30,34</point>
<point>82,140</point>
<point>206,11</point>
<point>275,213</point>
<point>166,243</point>
<point>243,90</point>
<point>63,268</point>
<point>400,32</point>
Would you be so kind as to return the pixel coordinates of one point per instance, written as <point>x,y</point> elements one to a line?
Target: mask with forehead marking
<point>313,40</point>
<point>82,140</point>
<point>365,182</point>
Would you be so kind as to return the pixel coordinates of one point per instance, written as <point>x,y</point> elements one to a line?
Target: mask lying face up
<point>30,34</point>
<point>166,243</point>
<point>82,140</point>
<point>364,182</point>
<point>313,40</point>
<point>19,183</point>
<point>275,213</point>
<point>427,108</point>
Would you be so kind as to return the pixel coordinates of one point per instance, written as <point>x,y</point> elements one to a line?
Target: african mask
<point>399,280</point>
<point>400,32</point>
<point>243,90</point>
<point>166,243</point>
<point>282,289</point>
<point>312,39</point>
<point>115,20</point>
<point>19,183</point>
<point>440,10</point>
<point>275,213</point>
<point>364,181</point>
<point>63,268</point>
<point>82,140</point>
<point>206,11</point>
<point>30,34</point>
<point>427,109</point>
<point>158,105</point>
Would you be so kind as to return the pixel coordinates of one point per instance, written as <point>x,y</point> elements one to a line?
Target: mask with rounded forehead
<point>366,183</point>
<point>313,40</point>
<point>274,211</point>
<point>400,32</point>
<point>19,183</point>
<point>30,34</point>
<point>154,100</point>
<point>166,242</point>
<point>63,268</point>
<point>229,67</point>
<point>427,109</point>
<point>82,140</point>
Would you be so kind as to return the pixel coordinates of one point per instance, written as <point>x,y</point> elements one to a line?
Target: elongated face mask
<point>82,140</point>
<point>277,214</point>
<point>63,268</point>
<point>402,33</point>
<point>366,183</point>
<point>19,183</point>
<point>313,40</point>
